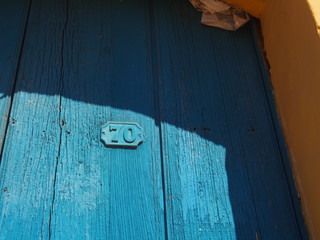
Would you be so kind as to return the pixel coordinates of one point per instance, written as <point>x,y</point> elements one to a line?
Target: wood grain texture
<point>13,18</point>
<point>107,193</point>
<point>224,175</point>
<point>280,136</point>
<point>32,145</point>
<point>60,181</point>
<point>210,166</point>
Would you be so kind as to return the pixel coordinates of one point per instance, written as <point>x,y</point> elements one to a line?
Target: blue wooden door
<point>211,165</point>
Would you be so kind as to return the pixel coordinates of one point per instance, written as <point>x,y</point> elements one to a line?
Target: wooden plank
<point>266,82</point>
<point>27,171</point>
<point>224,177</point>
<point>13,17</point>
<point>107,193</point>
<point>274,207</point>
<point>88,62</point>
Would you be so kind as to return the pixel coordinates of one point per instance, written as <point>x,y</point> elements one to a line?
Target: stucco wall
<point>293,49</point>
<point>291,32</point>
<point>254,7</point>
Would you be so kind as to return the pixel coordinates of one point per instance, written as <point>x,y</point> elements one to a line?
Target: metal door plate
<point>122,134</point>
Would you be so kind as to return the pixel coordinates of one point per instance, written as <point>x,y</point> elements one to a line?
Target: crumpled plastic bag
<point>219,14</point>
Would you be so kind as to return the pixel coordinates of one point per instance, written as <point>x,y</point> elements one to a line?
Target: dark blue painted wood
<point>224,175</point>
<point>13,18</point>
<point>210,166</point>
<point>28,163</point>
<point>279,135</point>
<point>60,180</point>
<point>103,193</point>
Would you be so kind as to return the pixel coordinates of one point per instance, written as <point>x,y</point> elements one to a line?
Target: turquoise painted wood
<point>229,141</point>
<point>13,18</point>
<point>210,165</point>
<point>103,193</point>
<point>27,173</point>
<point>122,134</point>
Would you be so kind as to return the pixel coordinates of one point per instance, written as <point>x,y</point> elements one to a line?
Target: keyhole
<point>129,134</point>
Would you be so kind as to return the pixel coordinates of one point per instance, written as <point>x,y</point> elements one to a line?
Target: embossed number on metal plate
<point>122,134</point>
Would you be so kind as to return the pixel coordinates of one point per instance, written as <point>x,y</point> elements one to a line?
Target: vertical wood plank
<point>266,82</point>
<point>13,18</point>
<point>88,62</point>
<point>224,177</point>
<point>268,183</point>
<point>28,164</point>
<point>107,193</point>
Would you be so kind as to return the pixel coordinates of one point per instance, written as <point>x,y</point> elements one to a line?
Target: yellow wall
<point>254,7</point>
<point>293,49</point>
<point>291,31</point>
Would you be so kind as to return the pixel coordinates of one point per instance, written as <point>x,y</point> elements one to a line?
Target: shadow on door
<point>210,167</point>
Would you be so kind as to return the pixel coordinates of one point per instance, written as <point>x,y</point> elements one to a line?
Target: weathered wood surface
<point>107,193</point>
<point>73,187</point>
<point>28,163</point>
<point>209,168</point>
<point>13,19</point>
<point>223,172</point>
